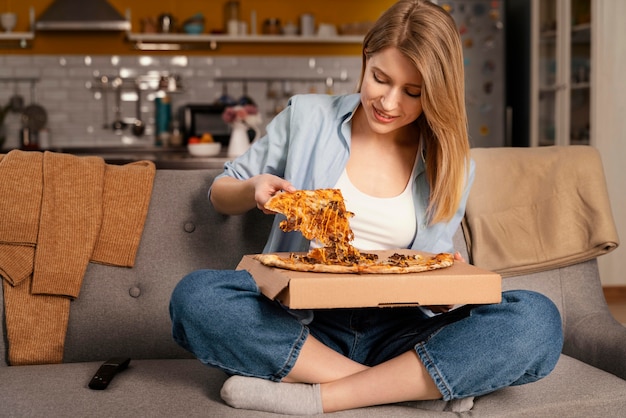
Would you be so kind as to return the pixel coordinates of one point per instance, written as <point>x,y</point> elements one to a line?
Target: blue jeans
<point>223,319</point>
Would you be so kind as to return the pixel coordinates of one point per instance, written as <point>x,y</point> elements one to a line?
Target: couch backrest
<point>124,312</point>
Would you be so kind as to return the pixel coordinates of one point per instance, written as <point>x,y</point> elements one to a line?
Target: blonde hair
<point>428,37</point>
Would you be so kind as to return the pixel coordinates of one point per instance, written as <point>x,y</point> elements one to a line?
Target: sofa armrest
<point>590,332</point>
<point>599,340</point>
<point>592,335</point>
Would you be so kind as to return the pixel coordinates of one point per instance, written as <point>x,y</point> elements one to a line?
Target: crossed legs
<point>345,384</point>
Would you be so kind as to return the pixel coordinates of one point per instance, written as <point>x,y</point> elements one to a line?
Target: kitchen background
<point>81,114</point>
<point>81,108</point>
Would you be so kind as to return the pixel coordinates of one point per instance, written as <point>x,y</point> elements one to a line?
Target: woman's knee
<point>536,323</point>
<point>206,294</point>
<point>211,284</point>
<point>535,313</point>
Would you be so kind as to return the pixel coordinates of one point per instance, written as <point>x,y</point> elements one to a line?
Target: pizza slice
<point>319,215</point>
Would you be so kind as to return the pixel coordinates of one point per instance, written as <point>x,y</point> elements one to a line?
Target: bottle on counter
<point>176,138</point>
<point>44,139</point>
<point>163,116</point>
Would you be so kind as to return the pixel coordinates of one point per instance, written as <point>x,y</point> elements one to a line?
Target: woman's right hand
<point>266,186</point>
<point>233,197</point>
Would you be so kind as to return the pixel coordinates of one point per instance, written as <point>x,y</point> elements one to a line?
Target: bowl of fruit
<point>204,146</point>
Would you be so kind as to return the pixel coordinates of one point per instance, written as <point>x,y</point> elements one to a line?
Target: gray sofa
<point>124,313</point>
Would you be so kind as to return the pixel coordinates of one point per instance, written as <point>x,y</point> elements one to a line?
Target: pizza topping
<point>318,214</point>
<point>370,265</point>
<point>321,214</point>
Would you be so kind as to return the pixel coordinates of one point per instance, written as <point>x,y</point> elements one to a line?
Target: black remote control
<point>107,372</point>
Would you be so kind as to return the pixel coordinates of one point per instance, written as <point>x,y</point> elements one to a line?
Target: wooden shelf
<point>172,42</point>
<point>16,39</point>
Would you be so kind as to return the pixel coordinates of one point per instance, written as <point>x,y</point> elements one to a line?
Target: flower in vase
<point>248,114</point>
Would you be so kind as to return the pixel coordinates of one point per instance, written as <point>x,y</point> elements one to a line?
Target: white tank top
<point>379,223</point>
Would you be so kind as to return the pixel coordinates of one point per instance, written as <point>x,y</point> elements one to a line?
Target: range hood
<point>91,15</point>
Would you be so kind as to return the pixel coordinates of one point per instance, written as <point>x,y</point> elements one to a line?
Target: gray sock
<point>264,395</point>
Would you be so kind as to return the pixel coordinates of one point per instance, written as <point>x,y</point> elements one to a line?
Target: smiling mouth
<point>383,117</point>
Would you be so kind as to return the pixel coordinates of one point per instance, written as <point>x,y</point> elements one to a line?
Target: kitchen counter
<point>163,158</point>
<point>172,161</point>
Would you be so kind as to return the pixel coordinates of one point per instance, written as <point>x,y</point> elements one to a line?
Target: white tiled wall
<point>76,110</point>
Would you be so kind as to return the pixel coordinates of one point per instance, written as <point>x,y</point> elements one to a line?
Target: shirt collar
<point>349,105</point>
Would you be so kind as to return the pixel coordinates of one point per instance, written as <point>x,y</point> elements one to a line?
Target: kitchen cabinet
<point>560,104</point>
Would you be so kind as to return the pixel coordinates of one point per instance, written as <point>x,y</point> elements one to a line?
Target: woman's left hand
<point>459,257</point>
<point>439,308</point>
<point>445,308</point>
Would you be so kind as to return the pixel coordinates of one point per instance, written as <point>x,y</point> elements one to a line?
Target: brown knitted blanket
<point>58,212</point>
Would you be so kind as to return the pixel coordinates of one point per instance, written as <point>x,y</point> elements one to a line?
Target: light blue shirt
<point>308,144</point>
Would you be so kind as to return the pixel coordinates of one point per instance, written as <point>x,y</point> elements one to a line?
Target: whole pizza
<point>321,215</point>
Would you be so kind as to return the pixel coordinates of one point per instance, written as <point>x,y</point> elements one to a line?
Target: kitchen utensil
<point>272,26</point>
<point>290,29</point>
<point>34,116</point>
<point>149,25</point>
<point>326,30</point>
<point>3,135</point>
<point>16,102</point>
<point>194,25</point>
<point>166,23</point>
<point>329,85</point>
<point>270,92</point>
<point>307,25</point>
<point>118,123</point>
<point>204,149</point>
<point>138,126</point>
<point>104,90</point>
<point>226,99</point>
<point>28,139</point>
<point>8,20</point>
<point>231,17</point>
<point>245,99</point>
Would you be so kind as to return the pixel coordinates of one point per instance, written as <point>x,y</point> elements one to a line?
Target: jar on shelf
<point>231,17</point>
<point>271,26</point>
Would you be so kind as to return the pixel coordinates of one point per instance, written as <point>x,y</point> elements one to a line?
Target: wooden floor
<point>616,298</point>
<point>619,311</point>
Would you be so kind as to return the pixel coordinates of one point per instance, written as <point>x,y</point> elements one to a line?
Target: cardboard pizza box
<point>461,283</point>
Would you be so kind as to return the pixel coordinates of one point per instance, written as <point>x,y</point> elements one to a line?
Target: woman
<point>399,152</point>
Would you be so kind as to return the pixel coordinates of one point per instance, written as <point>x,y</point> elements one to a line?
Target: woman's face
<point>390,91</point>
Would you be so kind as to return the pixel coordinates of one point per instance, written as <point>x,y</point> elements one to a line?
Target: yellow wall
<point>328,11</point>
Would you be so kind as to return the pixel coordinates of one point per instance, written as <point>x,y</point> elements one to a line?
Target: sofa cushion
<point>573,389</point>
<point>166,387</point>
